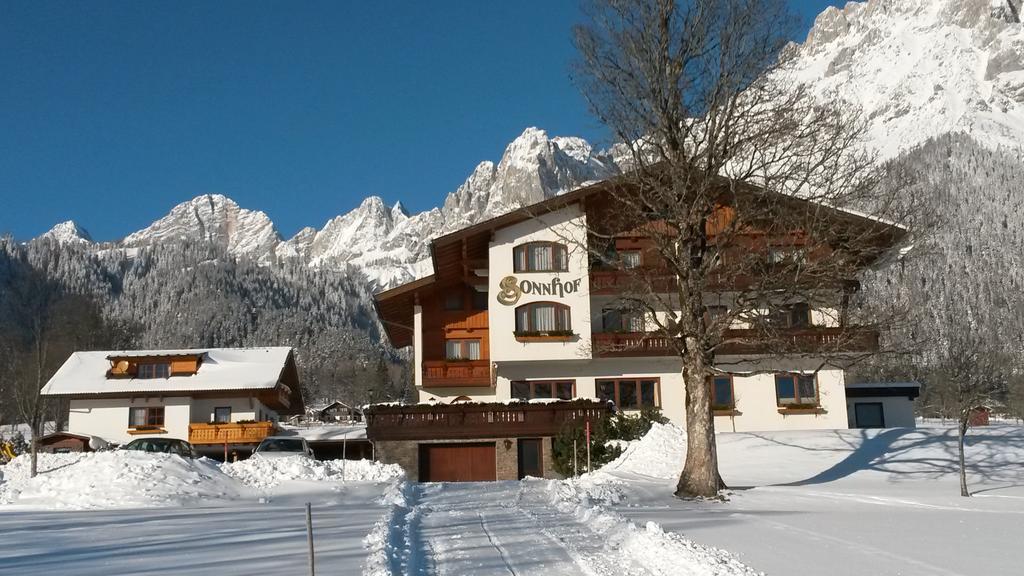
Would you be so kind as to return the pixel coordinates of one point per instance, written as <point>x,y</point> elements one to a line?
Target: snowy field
<point>801,503</point>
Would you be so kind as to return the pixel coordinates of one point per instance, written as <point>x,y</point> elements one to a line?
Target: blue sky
<point>113,112</point>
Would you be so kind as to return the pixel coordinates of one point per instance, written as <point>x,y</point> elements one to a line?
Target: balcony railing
<point>739,342</point>
<point>441,373</point>
<point>230,433</point>
<point>470,420</point>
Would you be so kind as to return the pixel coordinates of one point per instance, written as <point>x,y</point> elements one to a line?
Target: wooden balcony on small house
<point>230,432</point>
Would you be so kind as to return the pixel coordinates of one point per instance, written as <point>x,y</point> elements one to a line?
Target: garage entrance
<point>469,462</point>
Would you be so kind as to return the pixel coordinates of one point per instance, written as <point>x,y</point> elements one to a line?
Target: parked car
<point>283,446</point>
<point>162,445</point>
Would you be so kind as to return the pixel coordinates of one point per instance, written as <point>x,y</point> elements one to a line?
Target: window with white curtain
<point>462,349</point>
<point>541,257</point>
<point>543,317</point>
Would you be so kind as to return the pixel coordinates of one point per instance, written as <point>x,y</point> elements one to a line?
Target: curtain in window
<point>563,322</point>
<point>634,322</point>
<point>137,417</point>
<point>630,258</point>
<point>523,319</point>
<point>808,392</point>
<point>544,318</point>
<point>453,349</point>
<point>540,258</point>
<point>474,349</point>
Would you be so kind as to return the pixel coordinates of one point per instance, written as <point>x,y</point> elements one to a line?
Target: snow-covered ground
<point>841,503</point>
<point>801,503</point>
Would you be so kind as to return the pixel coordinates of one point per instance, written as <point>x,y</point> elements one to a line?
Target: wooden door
<point>530,458</point>
<point>469,462</point>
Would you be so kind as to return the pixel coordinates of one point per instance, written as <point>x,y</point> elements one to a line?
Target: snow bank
<point>265,473</point>
<point>659,552</point>
<point>117,479</point>
<point>389,545</point>
<point>659,453</point>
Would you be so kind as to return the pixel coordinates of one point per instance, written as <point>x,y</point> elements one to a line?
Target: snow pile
<point>657,551</point>
<point>389,545</point>
<point>658,454</point>
<point>265,473</point>
<point>117,479</point>
<point>15,475</point>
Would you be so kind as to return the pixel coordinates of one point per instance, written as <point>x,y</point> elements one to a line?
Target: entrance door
<point>470,462</point>
<point>530,458</point>
<point>868,415</point>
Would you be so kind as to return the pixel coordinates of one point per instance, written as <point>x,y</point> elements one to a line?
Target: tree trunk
<point>962,428</point>
<point>700,476</point>
<point>35,455</point>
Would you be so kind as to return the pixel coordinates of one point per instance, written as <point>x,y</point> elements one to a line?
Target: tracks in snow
<point>529,528</point>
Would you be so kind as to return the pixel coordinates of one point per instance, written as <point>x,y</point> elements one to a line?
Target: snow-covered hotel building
<point>515,309</point>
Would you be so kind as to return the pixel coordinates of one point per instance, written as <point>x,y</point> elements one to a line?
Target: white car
<point>282,447</point>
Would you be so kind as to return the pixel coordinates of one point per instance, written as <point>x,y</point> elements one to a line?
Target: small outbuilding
<point>881,405</point>
<point>65,442</point>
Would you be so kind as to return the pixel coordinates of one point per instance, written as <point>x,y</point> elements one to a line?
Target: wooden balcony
<point>231,433</point>
<point>449,373</point>
<point>744,342</point>
<point>472,420</point>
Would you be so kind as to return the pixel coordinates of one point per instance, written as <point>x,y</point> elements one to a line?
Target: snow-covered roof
<point>220,369</point>
<point>884,385</point>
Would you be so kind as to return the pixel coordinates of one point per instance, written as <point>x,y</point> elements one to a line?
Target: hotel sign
<point>511,288</point>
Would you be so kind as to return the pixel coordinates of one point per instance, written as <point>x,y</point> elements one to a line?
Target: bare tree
<point>734,178</point>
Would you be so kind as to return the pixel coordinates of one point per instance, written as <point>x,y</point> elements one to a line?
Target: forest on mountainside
<point>187,295</point>
<point>960,282</point>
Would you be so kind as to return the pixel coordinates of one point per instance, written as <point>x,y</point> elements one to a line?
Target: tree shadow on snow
<point>910,453</point>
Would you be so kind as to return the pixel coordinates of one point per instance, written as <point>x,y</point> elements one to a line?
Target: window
<point>527,390</point>
<point>630,258</point>
<point>540,257</point>
<point>154,371</point>
<point>479,300</point>
<point>629,393</point>
<point>453,301</point>
<point>145,417</point>
<point>462,349</point>
<point>783,254</point>
<point>222,415</point>
<point>618,320</point>
<point>797,315</point>
<point>723,395</point>
<point>543,317</point>
<point>796,389</point>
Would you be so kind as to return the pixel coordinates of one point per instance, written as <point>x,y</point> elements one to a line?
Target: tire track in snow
<point>494,542</point>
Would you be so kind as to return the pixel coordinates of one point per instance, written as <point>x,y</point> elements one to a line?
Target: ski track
<point>502,529</point>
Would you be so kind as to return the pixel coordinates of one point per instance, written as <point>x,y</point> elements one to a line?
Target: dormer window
<point>541,257</point>
<point>147,371</point>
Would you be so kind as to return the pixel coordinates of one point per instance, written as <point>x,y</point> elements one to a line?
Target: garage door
<point>457,462</point>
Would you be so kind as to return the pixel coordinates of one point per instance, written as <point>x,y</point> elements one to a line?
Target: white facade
<point>108,417</point>
<point>571,357</point>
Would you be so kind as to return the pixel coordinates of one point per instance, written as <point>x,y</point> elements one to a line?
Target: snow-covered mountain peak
<point>921,68</point>
<point>217,219</point>
<point>68,232</point>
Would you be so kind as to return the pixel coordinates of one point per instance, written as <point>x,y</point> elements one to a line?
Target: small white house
<point>881,405</point>
<point>213,396</point>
